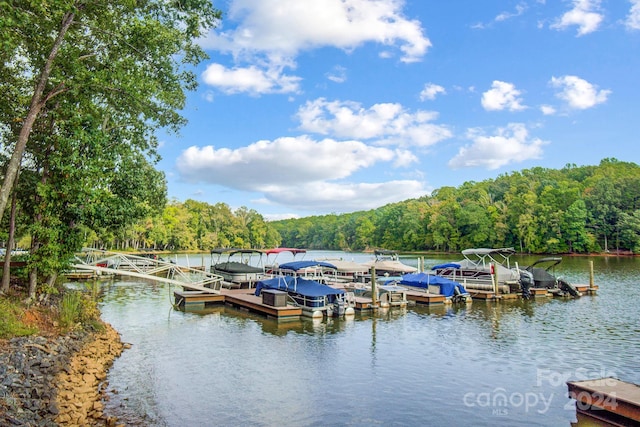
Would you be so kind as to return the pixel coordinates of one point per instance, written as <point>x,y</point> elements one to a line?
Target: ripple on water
<point>228,367</point>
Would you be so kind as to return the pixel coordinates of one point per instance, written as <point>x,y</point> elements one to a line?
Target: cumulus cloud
<point>274,32</point>
<point>633,18</point>
<point>386,123</point>
<point>502,96</point>
<point>430,91</point>
<point>578,93</point>
<point>300,172</point>
<point>252,80</point>
<point>547,110</point>
<point>584,15</point>
<point>279,162</point>
<point>510,144</point>
<point>349,197</point>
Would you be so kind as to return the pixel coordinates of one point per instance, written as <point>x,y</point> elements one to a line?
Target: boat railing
<point>350,299</point>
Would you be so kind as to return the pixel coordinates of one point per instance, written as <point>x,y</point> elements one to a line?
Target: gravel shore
<point>57,381</point>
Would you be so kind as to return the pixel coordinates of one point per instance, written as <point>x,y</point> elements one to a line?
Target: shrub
<point>10,324</point>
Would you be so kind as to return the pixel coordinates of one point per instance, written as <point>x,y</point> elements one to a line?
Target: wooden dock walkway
<point>239,298</point>
<point>608,399</point>
<point>245,299</point>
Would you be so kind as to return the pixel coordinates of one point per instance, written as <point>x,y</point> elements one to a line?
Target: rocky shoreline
<point>57,381</point>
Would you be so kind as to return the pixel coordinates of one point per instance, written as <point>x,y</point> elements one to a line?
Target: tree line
<point>576,209</point>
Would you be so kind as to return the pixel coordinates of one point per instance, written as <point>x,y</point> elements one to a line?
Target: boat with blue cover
<point>315,299</point>
<point>320,271</point>
<point>431,283</point>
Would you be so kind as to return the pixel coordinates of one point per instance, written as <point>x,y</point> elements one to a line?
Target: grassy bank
<point>54,315</point>
<point>14,321</point>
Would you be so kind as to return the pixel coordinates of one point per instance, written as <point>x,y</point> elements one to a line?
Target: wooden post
<point>591,280</point>
<point>494,267</point>
<point>374,292</point>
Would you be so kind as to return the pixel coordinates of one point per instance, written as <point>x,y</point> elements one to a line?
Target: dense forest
<point>577,209</point>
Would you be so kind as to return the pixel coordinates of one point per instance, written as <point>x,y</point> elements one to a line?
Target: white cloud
<point>252,80</point>
<point>508,145</point>
<point>430,91</point>
<point>340,198</point>
<point>404,158</point>
<point>386,123</point>
<point>584,14</point>
<point>301,172</point>
<point>338,74</point>
<point>284,161</point>
<point>578,93</point>
<point>271,33</point>
<point>633,19</point>
<point>520,9</point>
<point>277,217</point>
<point>501,96</point>
<point>547,110</point>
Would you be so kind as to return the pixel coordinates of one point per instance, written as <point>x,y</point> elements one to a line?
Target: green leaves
<point>108,74</point>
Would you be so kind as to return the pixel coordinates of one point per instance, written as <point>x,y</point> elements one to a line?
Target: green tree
<point>124,61</point>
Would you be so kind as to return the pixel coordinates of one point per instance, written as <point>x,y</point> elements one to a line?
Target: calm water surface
<point>487,364</point>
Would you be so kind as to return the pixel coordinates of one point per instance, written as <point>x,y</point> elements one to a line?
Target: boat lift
<point>150,268</point>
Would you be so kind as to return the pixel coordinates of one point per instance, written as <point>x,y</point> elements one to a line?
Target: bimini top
<point>489,251</point>
<point>232,251</point>
<point>423,280</point>
<point>447,265</point>
<point>294,251</point>
<point>306,287</point>
<point>299,265</point>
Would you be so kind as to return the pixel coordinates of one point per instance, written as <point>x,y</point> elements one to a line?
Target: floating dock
<point>535,293</point>
<point>425,298</point>
<point>240,298</point>
<point>607,399</point>
<point>245,299</point>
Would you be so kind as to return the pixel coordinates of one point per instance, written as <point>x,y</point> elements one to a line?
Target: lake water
<point>486,364</point>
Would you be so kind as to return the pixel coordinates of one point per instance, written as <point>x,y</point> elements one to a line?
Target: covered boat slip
<point>320,271</point>
<point>240,268</point>
<point>314,298</point>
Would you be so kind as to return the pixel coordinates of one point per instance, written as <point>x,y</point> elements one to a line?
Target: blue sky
<point>333,106</point>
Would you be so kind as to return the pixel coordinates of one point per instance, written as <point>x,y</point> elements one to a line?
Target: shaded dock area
<point>239,298</point>
<point>194,300</point>
<point>607,399</point>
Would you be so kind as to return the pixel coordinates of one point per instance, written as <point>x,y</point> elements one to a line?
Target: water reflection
<point>225,366</point>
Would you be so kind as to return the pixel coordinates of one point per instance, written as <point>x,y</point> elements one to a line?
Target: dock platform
<point>607,399</point>
<point>240,298</point>
<point>587,289</point>
<point>425,298</point>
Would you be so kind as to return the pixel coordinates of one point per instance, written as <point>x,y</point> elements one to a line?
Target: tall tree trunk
<point>38,100</point>
<point>6,272</point>
<point>33,284</point>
